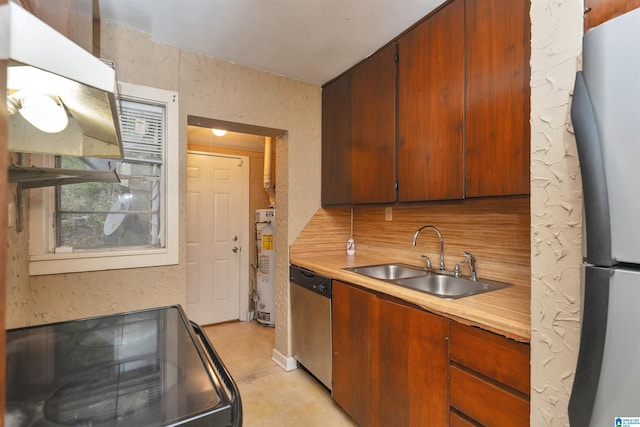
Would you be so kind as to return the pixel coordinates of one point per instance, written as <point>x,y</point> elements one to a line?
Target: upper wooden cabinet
<point>431,108</point>
<point>397,365</point>
<point>462,111</point>
<point>373,97</point>
<point>73,18</point>
<point>497,53</point>
<point>336,142</point>
<point>599,11</point>
<point>358,133</point>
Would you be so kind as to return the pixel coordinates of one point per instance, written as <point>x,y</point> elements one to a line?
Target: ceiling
<point>202,136</point>
<point>308,40</point>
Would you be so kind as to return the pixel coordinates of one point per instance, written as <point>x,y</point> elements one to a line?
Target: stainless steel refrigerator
<point>606,119</point>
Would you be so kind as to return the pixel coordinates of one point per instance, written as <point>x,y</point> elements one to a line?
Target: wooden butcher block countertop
<point>505,311</point>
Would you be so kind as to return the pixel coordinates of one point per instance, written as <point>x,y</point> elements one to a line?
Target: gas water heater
<point>265,271</point>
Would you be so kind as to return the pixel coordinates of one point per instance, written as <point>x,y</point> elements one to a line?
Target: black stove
<point>144,368</point>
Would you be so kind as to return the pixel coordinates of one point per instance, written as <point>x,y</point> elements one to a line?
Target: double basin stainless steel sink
<point>430,282</point>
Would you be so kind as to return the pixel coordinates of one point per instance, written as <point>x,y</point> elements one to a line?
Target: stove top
<point>144,368</point>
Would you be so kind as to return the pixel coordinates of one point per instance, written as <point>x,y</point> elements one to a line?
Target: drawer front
<point>456,420</point>
<point>486,402</point>
<point>497,357</point>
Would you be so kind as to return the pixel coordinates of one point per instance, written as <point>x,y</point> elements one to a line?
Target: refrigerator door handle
<point>594,182</point>
<point>592,340</point>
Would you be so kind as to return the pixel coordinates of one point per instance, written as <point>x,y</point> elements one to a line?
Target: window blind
<point>142,127</point>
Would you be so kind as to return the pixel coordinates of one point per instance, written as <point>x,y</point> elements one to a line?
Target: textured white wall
<point>216,89</point>
<point>208,88</point>
<point>556,209</point>
<point>17,288</point>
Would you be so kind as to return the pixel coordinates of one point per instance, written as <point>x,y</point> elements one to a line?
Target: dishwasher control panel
<point>310,280</point>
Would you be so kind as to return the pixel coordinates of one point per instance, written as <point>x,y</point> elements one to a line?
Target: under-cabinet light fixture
<point>44,112</point>
<point>81,89</point>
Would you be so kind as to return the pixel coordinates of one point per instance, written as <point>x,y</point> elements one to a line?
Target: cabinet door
<point>599,11</point>
<point>431,107</point>
<point>73,18</point>
<point>373,128</point>
<point>411,365</point>
<point>497,97</point>
<point>336,142</point>
<point>351,341</point>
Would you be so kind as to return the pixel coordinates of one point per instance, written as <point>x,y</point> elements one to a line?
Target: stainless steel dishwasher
<point>311,322</point>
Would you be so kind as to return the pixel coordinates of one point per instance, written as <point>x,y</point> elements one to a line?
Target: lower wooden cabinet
<point>396,365</point>
<point>489,378</point>
<point>389,361</point>
<point>410,367</point>
<point>351,335</point>
<point>485,401</point>
<point>456,420</point>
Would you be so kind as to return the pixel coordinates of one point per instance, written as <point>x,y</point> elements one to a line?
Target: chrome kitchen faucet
<point>434,228</point>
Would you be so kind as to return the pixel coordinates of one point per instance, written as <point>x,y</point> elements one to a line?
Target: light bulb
<point>44,112</point>
<point>219,132</point>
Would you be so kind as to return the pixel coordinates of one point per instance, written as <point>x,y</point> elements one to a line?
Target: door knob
<point>235,249</point>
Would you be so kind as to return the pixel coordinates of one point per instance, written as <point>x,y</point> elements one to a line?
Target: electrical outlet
<point>388,214</point>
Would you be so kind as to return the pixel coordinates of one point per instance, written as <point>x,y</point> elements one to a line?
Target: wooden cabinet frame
<point>459,125</point>
<point>395,364</point>
<point>390,360</point>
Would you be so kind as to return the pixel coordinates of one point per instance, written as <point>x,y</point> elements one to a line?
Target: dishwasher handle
<point>310,280</point>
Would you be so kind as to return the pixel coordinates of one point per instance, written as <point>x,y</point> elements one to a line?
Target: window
<point>133,223</point>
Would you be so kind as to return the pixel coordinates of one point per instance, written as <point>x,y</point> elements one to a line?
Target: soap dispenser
<point>351,245</point>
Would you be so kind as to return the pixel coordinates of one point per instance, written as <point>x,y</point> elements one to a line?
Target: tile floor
<point>271,396</point>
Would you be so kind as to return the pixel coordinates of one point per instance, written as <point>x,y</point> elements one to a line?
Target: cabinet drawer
<point>456,420</point>
<point>499,358</point>
<point>486,402</point>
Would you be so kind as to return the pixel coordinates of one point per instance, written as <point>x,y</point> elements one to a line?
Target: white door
<point>214,215</point>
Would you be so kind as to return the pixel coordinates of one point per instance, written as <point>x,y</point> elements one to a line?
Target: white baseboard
<point>286,363</point>
<point>246,316</point>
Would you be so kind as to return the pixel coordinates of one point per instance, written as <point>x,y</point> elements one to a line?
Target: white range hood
<point>43,61</point>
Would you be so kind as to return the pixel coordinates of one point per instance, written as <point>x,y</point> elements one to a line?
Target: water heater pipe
<point>268,185</point>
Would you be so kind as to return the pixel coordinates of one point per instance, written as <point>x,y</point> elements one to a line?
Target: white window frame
<point>43,256</point>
